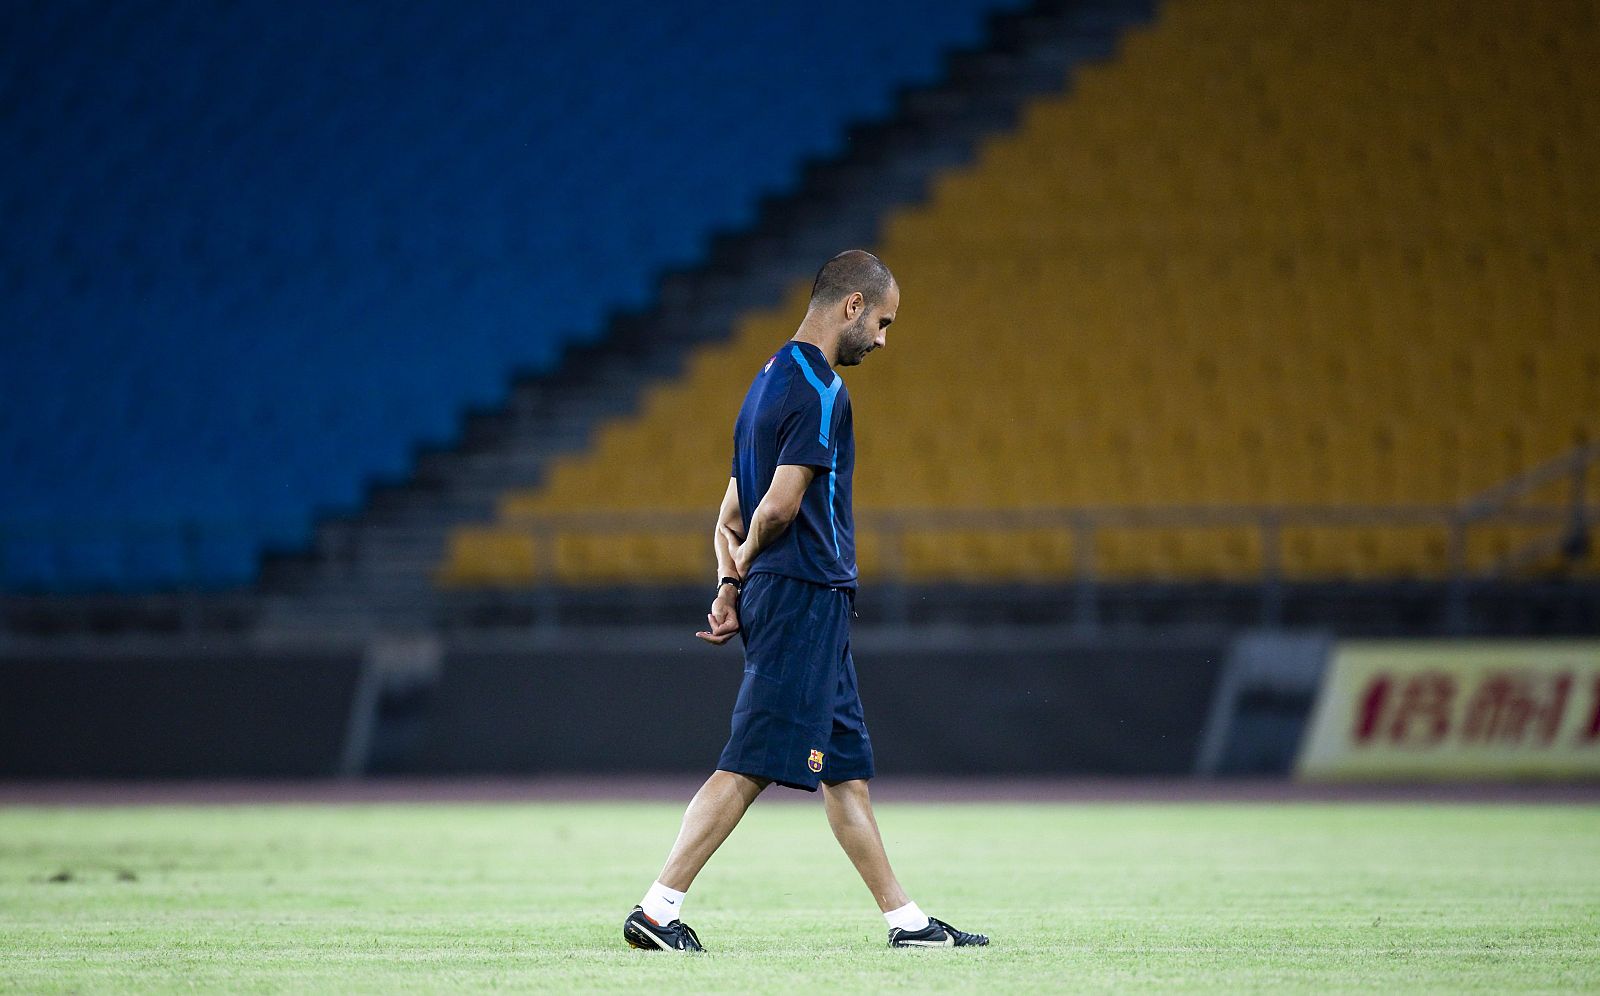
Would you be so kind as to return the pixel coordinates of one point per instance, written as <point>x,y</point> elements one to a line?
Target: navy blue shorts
<point>798,719</point>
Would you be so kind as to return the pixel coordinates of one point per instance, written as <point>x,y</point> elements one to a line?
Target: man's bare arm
<point>777,510</point>
<point>723,619</point>
<point>729,532</point>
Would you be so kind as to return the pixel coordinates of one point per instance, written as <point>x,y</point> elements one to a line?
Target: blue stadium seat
<point>252,254</point>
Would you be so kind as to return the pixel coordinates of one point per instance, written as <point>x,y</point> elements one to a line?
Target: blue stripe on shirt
<point>827,393</point>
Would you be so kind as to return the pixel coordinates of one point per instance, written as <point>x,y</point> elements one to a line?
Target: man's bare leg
<point>850,815</point>
<point>712,814</point>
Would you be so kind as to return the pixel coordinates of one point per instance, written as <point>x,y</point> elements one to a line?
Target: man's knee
<point>748,786</point>
<point>852,790</point>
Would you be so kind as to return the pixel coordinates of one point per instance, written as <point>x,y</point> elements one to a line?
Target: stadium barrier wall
<point>954,702</point>
<point>939,701</point>
<point>627,700</point>
<point>195,713</point>
<point>1456,710</point>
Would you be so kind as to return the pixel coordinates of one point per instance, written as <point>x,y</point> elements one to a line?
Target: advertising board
<point>1456,710</point>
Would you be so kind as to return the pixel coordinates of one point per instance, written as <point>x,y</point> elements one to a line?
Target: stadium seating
<point>252,254</point>
<point>1304,254</point>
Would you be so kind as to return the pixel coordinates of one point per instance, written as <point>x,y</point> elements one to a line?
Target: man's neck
<point>829,344</point>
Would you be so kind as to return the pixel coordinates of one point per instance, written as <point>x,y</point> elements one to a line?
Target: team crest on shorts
<point>814,762</point>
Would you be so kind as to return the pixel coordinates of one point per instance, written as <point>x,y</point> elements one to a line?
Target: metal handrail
<point>1572,465</point>
<point>643,520</point>
<point>1495,505</point>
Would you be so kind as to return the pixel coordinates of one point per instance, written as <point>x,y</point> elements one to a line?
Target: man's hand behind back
<point>723,617</point>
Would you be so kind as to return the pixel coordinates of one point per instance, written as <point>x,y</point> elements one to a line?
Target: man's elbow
<point>789,515</point>
<point>780,515</point>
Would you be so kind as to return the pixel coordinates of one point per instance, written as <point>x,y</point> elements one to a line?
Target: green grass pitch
<point>1102,897</point>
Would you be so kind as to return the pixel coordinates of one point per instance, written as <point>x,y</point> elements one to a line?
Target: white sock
<point>907,917</point>
<point>663,905</point>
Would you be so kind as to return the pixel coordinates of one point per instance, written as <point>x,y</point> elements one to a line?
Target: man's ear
<point>853,305</point>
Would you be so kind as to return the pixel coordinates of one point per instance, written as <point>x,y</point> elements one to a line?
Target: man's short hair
<point>850,271</point>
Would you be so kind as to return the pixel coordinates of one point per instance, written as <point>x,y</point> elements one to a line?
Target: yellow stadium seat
<point>1334,253</point>
<point>489,556</point>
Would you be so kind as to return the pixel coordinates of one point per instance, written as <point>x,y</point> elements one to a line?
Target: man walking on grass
<point>785,545</point>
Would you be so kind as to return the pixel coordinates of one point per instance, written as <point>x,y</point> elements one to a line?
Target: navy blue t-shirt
<point>797,411</point>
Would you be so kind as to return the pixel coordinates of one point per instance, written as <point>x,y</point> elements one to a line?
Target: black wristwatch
<point>738,586</point>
